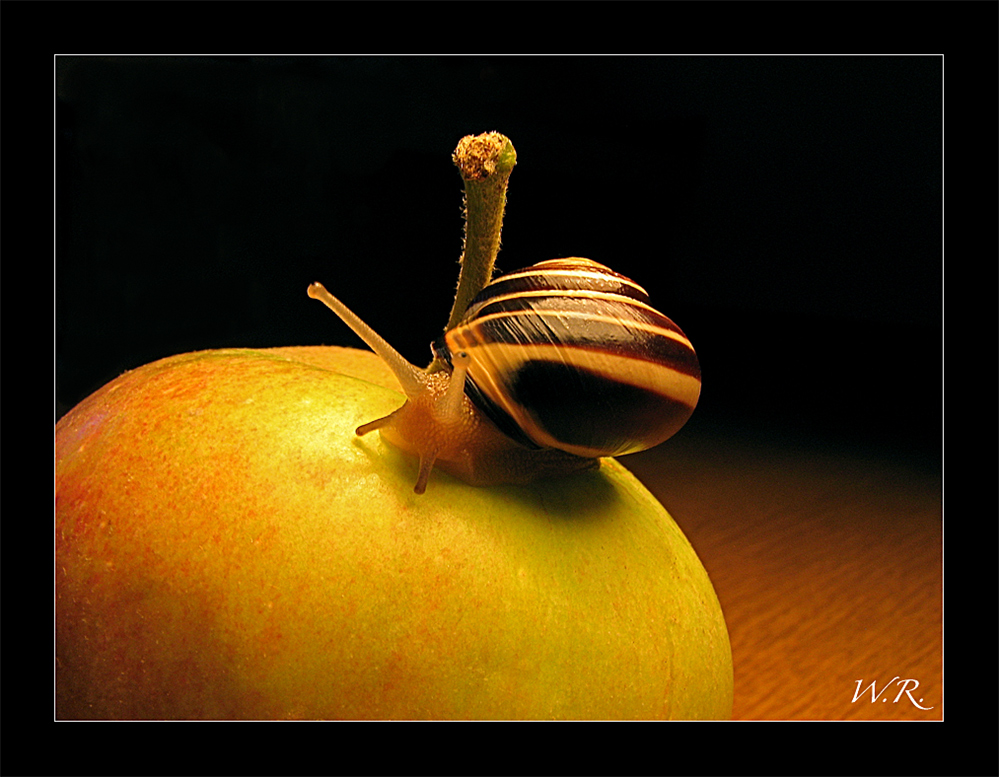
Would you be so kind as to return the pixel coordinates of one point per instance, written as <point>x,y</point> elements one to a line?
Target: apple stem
<point>485,163</point>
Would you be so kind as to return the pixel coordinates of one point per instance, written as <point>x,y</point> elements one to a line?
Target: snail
<point>551,368</point>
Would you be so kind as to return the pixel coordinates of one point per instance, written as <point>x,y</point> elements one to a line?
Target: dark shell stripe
<point>610,407</point>
<point>567,299</point>
<point>648,338</point>
<point>571,265</point>
<point>597,306</point>
<point>559,283</point>
<point>494,365</point>
<point>608,416</point>
<point>562,269</point>
<point>582,280</point>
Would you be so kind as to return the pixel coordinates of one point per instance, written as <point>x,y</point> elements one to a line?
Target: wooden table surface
<point>827,563</point>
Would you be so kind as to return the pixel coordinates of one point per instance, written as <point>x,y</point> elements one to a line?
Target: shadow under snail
<point>551,367</point>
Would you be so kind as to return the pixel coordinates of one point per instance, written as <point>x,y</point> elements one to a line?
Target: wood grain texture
<point>828,566</point>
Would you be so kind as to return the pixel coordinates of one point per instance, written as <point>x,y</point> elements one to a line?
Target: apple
<point>226,547</point>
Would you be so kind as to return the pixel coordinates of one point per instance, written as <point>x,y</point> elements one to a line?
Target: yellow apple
<point>226,547</point>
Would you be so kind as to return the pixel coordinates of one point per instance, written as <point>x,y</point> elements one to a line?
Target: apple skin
<point>227,548</point>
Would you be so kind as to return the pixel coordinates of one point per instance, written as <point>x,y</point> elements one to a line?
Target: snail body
<point>551,367</point>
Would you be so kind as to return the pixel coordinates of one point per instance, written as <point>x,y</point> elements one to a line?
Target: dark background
<point>785,211</point>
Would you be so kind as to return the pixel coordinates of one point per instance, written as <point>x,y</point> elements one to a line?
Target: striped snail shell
<point>552,367</point>
<point>569,354</point>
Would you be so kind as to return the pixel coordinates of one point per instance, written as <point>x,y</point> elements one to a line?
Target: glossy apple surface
<point>226,547</point>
